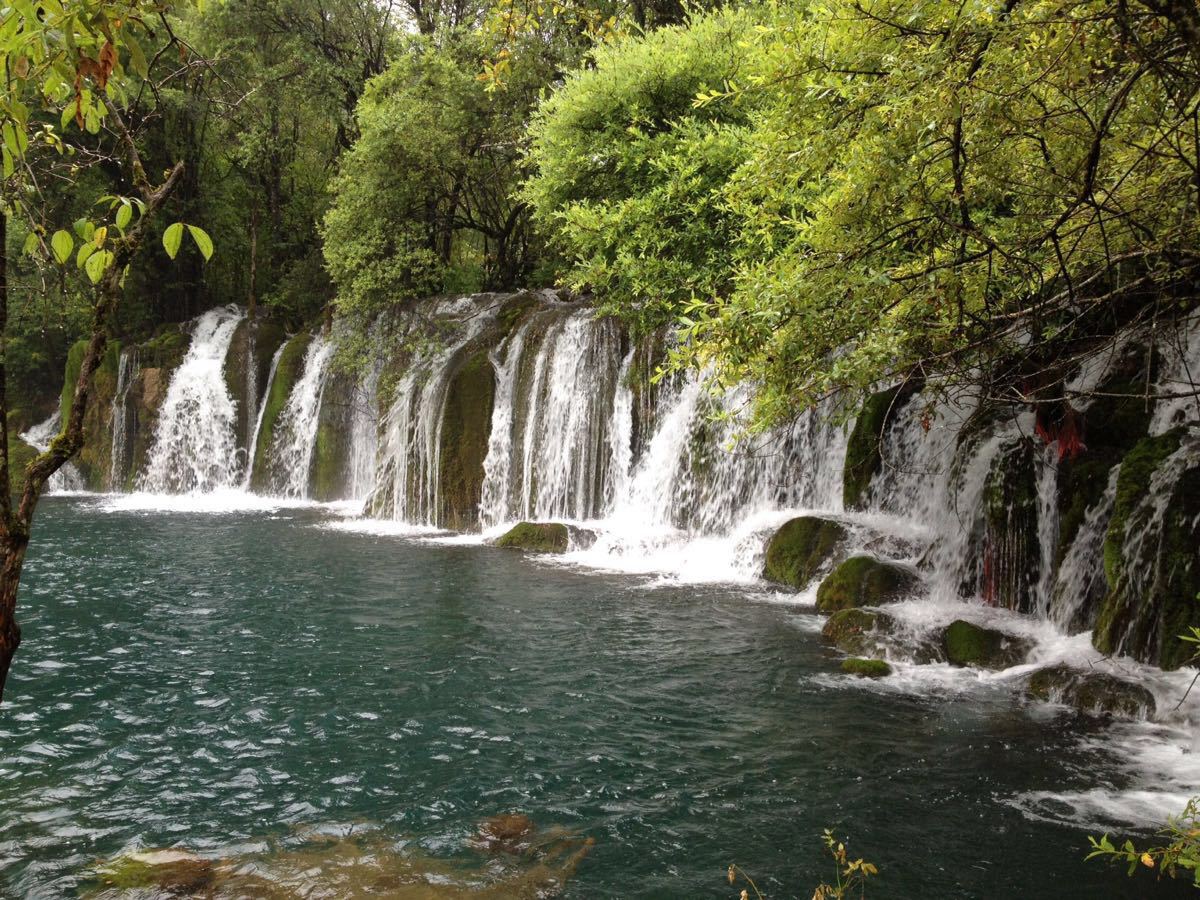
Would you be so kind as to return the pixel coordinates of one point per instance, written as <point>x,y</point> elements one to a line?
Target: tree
<point>74,60</point>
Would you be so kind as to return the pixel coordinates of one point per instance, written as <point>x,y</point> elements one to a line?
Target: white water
<point>258,420</point>
<point>67,479</point>
<point>295,434</point>
<point>195,444</point>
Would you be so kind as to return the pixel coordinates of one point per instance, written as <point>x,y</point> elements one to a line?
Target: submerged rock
<point>800,548</point>
<point>175,872</point>
<point>863,581</point>
<point>1096,693</point>
<point>507,833</point>
<point>982,648</point>
<point>857,631</point>
<point>866,668</point>
<point>536,537</point>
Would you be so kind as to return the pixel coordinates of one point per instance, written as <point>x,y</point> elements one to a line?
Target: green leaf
<point>85,250</point>
<point>172,238</point>
<point>96,264</point>
<point>31,244</point>
<point>203,241</point>
<point>62,244</point>
<point>124,214</point>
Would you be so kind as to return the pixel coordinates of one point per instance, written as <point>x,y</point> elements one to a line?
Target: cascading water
<point>364,434</point>
<point>195,444</point>
<point>258,420</point>
<point>296,431</point>
<point>67,478</point>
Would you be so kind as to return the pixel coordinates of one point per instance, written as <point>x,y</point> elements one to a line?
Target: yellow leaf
<point>1148,860</point>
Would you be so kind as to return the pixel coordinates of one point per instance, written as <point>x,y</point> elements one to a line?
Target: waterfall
<point>195,444</point>
<point>296,431</point>
<point>364,434</point>
<point>67,478</point>
<point>497,465</point>
<point>127,370</point>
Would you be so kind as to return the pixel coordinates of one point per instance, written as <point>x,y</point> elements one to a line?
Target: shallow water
<point>226,682</point>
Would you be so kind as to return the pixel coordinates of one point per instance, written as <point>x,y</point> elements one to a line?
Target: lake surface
<point>238,684</point>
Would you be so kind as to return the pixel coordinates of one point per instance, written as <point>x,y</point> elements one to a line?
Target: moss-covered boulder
<point>1152,554</point>
<point>864,455</point>
<point>466,427</point>
<point>866,668</point>
<point>536,537</point>
<point>287,372</point>
<point>801,548</point>
<point>171,872</point>
<point>1094,693</point>
<point>247,368</point>
<point>864,581</point>
<point>971,645</point>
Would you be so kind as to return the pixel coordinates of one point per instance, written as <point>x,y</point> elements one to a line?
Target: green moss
<point>799,549</point>
<point>329,456</point>
<point>863,455</point>
<point>539,537</point>
<point>287,373</point>
<point>174,872</point>
<point>71,377</point>
<point>866,668</point>
<point>514,309</point>
<point>1091,692</point>
<point>20,455</point>
<point>983,648</point>
<point>248,364</point>
<point>94,460</point>
<point>466,427</point>
<point>164,351</point>
<point>1153,596</point>
<point>863,581</point>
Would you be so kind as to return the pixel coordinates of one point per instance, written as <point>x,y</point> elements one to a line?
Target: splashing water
<point>296,431</point>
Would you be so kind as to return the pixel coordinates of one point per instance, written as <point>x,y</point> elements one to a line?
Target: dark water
<point>222,682</point>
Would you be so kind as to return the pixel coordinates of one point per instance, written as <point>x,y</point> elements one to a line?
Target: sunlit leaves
<point>62,244</point>
<point>203,241</point>
<point>172,238</point>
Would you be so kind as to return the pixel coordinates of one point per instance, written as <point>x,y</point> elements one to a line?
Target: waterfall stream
<point>296,432</point>
<point>195,445</point>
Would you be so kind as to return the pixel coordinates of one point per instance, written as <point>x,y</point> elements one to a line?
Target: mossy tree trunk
<point>16,520</point>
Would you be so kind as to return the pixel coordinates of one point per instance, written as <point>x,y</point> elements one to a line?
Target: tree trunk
<point>13,548</point>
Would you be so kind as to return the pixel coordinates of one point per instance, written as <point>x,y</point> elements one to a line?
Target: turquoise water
<point>230,684</point>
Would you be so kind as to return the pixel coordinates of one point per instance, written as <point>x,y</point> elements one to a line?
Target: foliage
<point>425,200</point>
<point>850,875</point>
<point>629,172</point>
<point>1181,850</point>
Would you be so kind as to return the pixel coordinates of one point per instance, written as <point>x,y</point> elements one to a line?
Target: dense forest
<point>768,247</point>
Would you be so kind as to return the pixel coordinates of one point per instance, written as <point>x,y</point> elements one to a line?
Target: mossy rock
<point>287,373</point>
<point>174,872</point>
<point>857,631</point>
<point>94,460</point>
<point>513,309</point>
<point>537,537</point>
<point>20,455</point>
<point>466,428</point>
<point>1094,693</point>
<point>1153,597</point>
<point>166,350</point>
<point>863,581</point>
<point>866,668</point>
<point>970,645</point>
<point>797,552</point>
<point>864,457</point>
<point>1011,555</point>
<point>247,368</point>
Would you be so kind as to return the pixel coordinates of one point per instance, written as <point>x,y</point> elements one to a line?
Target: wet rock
<point>1011,556</point>
<point>857,631</point>
<point>800,549</point>
<point>466,427</point>
<point>288,371</point>
<point>507,833</point>
<point>982,648</point>
<point>247,368</point>
<point>1095,693</point>
<point>174,872</point>
<point>866,668</point>
<point>1152,553</point>
<point>20,455</point>
<point>536,537</point>
<point>863,581</point>
<point>863,453</point>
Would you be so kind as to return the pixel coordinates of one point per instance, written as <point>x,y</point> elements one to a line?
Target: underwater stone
<point>866,668</point>
<point>537,537</point>
<point>800,548</point>
<point>1095,693</point>
<point>863,581</point>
